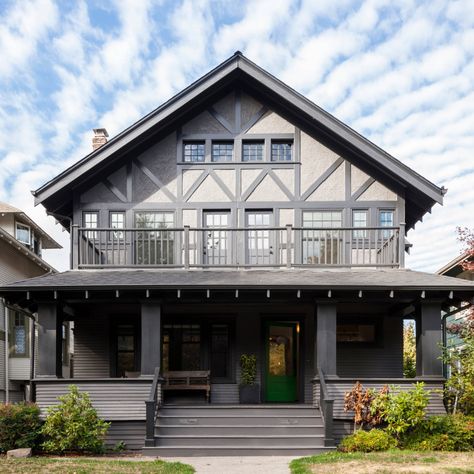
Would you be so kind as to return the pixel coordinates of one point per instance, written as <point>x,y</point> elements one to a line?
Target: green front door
<point>281,362</point>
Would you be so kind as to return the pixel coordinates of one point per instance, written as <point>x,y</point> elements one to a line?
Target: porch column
<point>151,337</point>
<point>325,338</point>
<point>429,340</point>
<point>49,341</point>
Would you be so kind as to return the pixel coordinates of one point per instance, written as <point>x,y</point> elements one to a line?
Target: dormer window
<point>194,152</point>
<point>282,150</point>
<point>222,151</point>
<point>23,233</point>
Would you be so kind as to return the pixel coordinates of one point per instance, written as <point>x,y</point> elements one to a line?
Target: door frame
<point>265,320</point>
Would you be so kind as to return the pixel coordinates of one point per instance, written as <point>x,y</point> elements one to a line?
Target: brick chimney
<point>100,138</point>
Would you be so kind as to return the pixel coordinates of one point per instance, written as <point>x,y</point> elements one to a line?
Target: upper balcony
<point>188,247</point>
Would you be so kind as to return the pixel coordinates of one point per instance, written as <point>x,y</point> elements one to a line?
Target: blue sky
<point>401,73</point>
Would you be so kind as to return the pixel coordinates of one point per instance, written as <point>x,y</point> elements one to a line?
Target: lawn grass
<point>86,466</point>
<point>386,462</point>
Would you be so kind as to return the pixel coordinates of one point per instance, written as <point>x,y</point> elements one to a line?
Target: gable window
<point>91,221</point>
<point>282,150</point>
<point>222,151</point>
<point>252,151</point>
<point>154,244</point>
<point>360,219</point>
<point>386,219</point>
<point>194,151</point>
<point>23,233</point>
<point>321,246</point>
<point>117,221</point>
<point>19,335</point>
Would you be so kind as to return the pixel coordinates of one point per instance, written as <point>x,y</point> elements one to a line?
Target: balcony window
<point>282,150</point>
<point>194,152</point>
<point>91,221</point>
<point>19,328</point>
<point>117,221</point>
<point>321,246</point>
<point>252,151</point>
<point>222,151</point>
<point>23,233</point>
<point>216,250</point>
<point>260,242</point>
<point>154,244</point>
<point>360,219</point>
<point>386,219</point>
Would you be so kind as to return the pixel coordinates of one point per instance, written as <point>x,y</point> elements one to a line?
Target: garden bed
<point>395,461</point>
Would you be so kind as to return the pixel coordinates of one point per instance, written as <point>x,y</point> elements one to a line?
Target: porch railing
<point>152,406</point>
<point>239,247</point>
<point>326,405</point>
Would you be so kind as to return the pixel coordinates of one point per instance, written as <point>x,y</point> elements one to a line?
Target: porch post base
<point>150,443</point>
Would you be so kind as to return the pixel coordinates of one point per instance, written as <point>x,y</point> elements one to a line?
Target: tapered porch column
<point>49,341</point>
<point>429,340</point>
<point>325,339</point>
<point>151,337</point>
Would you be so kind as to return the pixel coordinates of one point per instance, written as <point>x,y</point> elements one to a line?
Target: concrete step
<point>239,410</point>
<point>225,430</point>
<point>247,440</point>
<point>269,450</point>
<point>238,419</point>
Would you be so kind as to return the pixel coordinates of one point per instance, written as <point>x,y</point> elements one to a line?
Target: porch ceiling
<point>314,279</point>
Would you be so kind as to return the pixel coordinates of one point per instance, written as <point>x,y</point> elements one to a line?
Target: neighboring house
<point>237,218</point>
<point>455,269</point>
<point>21,244</point>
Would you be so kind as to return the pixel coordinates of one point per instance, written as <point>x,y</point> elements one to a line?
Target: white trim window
<point>282,150</point>
<point>117,221</point>
<point>360,218</point>
<point>194,152</point>
<point>222,151</point>
<point>23,233</point>
<point>386,219</point>
<point>91,221</point>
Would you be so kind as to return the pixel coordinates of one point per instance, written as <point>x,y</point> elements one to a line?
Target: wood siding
<point>114,399</point>
<point>132,433</point>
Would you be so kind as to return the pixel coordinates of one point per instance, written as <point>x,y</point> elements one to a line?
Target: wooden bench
<point>188,380</point>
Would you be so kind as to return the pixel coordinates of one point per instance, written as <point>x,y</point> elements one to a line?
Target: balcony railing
<point>239,247</point>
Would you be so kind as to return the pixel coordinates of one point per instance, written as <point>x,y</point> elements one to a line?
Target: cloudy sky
<point>399,72</point>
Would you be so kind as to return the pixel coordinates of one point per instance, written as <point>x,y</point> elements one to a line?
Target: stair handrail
<point>326,405</point>
<point>152,405</point>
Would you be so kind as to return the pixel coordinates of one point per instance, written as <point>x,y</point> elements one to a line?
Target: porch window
<point>359,330</point>
<point>126,349</point>
<point>322,246</point>
<point>181,347</point>
<point>19,328</point>
<point>220,352</point>
<point>154,244</point>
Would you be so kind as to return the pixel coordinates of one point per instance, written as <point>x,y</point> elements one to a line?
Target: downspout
<point>7,349</point>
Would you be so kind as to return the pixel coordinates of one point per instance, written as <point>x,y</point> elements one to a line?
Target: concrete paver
<point>238,464</point>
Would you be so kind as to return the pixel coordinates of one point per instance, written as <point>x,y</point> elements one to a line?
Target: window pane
<point>156,245</point>
<point>117,221</point>
<point>222,151</point>
<point>252,151</point>
<point>216,247</point>
<point>386,220</point>
<point>281,151</point>
<point>194,151</point>
<point>19,334</point>
<point>359,219</point>
<point>355,332</point>
<point>322,247</point>
<point>23,234</point>
<point>91,221</point>
<point>125,349</point>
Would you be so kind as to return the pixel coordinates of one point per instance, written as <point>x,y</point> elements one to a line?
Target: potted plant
<point>249,390</point>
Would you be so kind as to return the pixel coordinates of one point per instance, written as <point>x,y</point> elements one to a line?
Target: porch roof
<point>383,279</point>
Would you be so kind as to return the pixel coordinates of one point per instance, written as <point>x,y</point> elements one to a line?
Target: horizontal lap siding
<point>113,401</point>
<point>337,390</point>
<point>361,360</point>
<point>132,433</point>
<point>91,348</point>
<point>342,428</point>
<point>225,393</point>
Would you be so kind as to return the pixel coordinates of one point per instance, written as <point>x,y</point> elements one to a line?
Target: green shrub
<point>74,425</point>
<point>442,433</point>
<point>19,426</point>
<point>368,441</point>
<point>402,410</point>
<point>248,364</point>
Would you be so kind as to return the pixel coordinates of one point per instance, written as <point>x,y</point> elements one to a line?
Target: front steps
<point>238,430</point>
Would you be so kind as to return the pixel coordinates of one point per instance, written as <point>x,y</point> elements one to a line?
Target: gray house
<point>237,218</point>
<point>21,245</point>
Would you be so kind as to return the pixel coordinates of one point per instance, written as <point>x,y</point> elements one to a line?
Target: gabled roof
<point>47,241</point>
<point>420,194</point>
<point>454,267</point>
